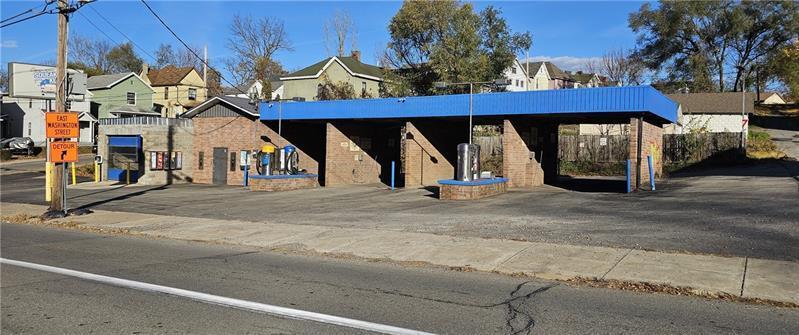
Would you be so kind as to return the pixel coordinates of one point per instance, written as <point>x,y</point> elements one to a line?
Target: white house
<point>770,98</point>
<point>712,112</point>
<point>24,117</point>
<point>254,90</point>
<point>31,94</point>
<point>517,77</point>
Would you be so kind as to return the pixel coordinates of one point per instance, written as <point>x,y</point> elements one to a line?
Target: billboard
<point>39,81</point>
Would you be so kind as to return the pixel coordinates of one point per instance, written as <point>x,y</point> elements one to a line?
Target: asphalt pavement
<point>423,299</point>
<point>746,210</point>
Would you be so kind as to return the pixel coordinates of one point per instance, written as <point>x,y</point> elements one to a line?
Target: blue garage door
<point>124,157</point>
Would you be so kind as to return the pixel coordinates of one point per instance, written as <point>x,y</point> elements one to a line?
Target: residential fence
<point>676,147</point>
<point>146,120</point>
<point>593,148</point>
<point>698,147</point>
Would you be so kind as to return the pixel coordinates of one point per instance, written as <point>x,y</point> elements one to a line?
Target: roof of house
<point>554,71</point>
<point>107,80</point>
<point>239,104</point>
<point>168,75</point>
<point>712,103</point>
<point>582,77</point>
<point>353,66</point>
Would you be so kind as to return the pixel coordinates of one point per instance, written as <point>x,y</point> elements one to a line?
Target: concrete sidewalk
<point>744,277</point>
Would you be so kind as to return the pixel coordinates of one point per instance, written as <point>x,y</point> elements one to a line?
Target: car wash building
<point>357,141</point>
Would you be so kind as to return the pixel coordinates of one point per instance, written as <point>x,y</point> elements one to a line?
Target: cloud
<point>568,63</point>
<point>9,44</point>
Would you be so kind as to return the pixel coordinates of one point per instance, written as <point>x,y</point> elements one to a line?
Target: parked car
<point>18,145</point>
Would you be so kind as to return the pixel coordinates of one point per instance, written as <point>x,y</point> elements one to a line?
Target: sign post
<point>61,128</point>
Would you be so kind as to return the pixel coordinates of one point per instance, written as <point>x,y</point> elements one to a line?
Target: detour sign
<point>62,125</point>
<point>63,152</point>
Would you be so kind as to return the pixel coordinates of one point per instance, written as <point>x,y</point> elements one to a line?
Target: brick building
<point>226,129</point>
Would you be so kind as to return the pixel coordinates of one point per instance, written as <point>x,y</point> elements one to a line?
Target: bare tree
<point>253,44</point>
<point>622,67</point>
<point>90,53</point>
<point>338,30</point>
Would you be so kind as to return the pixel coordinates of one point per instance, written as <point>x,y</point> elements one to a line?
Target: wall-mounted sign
<point>162,160</point>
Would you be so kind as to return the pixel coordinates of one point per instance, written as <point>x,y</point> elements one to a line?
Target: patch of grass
<point>85,170</point>
<point>760,146</point>
<point>587,168</point>
<point>85,150</point>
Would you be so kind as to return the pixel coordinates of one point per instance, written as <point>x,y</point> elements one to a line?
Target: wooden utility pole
<point>57,198</point>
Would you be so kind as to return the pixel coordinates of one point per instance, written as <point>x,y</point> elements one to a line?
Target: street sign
<point>63,152</point>
<point>62,125</point>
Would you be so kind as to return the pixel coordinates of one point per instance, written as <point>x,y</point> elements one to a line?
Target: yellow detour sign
<point>62,125</point>
<point>63,152</point>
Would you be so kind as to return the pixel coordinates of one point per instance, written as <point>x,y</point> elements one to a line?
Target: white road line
<point>219,300</point>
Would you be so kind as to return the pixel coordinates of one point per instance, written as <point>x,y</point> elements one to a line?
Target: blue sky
<point>566,32</point>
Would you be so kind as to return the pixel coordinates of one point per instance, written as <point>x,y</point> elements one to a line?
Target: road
<point>422,299</point>
<point>34,165</point>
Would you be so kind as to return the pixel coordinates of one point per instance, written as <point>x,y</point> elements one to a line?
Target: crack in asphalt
<point>519,318</point>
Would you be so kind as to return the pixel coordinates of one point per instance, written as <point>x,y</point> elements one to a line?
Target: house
<point>177,89</point>
<point>517,77</point>
<point>770,98</point>
<point>364,78</point>
<point>583,79</point>
<point>546,76</point>
<point>712,112</point>
<point>254,90</point>
<point>32,94</point>
<point>120,95</point>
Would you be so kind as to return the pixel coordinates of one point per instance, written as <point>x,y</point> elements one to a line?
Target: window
<point>513,70</point>
<point>200,159</point>
<point>192,94</point>
<point>30,103</point>
<point>363,86</point>
<point>29,128</point>
<point>166,92</point>
<point>232,161</point>
<point>68,104</point>
<point>131,98</point>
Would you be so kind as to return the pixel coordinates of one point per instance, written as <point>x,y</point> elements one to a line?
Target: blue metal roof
<point>630,99</point>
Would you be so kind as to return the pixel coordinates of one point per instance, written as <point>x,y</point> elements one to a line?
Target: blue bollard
<point>651,173</point>
<point>246,174</point>
<point>628,177</point>
<point>392,176</point>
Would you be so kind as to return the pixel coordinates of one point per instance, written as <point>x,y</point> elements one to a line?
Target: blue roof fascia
<point>570,101</point>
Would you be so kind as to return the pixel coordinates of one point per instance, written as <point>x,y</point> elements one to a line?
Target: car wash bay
<point>355,141</point>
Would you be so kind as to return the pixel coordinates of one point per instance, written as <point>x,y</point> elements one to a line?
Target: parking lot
<point>745,210</point>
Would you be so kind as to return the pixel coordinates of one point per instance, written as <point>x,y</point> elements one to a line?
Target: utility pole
<point>57,183</point>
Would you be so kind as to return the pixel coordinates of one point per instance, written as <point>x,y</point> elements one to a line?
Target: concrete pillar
<point>425,160</point>
<point>651,143</point>
<point>519,159</point>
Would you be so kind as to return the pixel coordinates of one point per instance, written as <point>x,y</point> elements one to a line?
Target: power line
<point>189,48</point>
<point>123,34</point>
<point>98,28</point>
<point>46,4</point>
<point>26,19</point>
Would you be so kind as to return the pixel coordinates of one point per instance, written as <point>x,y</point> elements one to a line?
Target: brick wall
<point>233,133</point>
<point>463,192</point>
<point>154,138</point>
<point>425,161</point>
<point>652,144</point>
<point>282,184</point>
<point>345,162</point>
<point>521,169</point>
